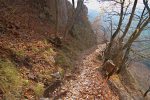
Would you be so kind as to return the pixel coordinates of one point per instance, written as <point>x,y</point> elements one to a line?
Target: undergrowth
<point>9,79</point>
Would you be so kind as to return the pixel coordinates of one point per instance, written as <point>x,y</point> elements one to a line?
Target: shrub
<point>39,89</point>
<point>62,60</point>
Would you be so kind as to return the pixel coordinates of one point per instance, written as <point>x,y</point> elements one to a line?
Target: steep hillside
<point>29,61</point>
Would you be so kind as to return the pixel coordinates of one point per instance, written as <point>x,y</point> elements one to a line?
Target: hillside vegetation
<point>29,59</point>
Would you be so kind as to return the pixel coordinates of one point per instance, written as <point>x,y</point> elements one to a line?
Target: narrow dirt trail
<point>88,84</point>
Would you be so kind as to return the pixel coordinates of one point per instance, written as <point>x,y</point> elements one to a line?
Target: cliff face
<point>45,10</point>
<point>62,12</point>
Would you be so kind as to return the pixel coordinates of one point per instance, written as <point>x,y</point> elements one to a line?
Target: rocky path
<point>89,83</point>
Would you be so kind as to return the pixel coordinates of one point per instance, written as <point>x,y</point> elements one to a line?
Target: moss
<point>42,77</point>
<point>48,55</point>
<point>39,89</point>
<point>50,50</point>
<point>62,60</point>
<point>45,41</point>
<point>26,82</point>
<point>9,78</point>
<point>62,71</point>
<point>20,53</point>
<point>35,49</point>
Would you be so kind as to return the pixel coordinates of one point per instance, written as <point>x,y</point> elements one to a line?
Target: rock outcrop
<point>62,12</point>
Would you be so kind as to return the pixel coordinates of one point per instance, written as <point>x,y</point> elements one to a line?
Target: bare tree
<point>118,49</point>
<point>108,50</point>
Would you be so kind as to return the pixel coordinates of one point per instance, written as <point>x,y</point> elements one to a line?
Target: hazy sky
<point>91,4</point>
<point>96,8</point>
<point>107,5</point>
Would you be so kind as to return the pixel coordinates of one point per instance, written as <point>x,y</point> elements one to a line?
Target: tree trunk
<point>119,51</point>
<point>130,21</point>
<point>56,27</point>
<point>108,49</point>
<point>145,94</point>
<point>73,3</point>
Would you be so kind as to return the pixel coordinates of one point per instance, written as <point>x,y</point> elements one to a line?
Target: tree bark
<point>136,33</point>
<point>130,21</point>
<point>73,3</point>
<point>56,27</point>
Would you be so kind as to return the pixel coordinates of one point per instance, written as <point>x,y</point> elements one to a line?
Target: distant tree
<point>99,30</point>
<point>73,3</point>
